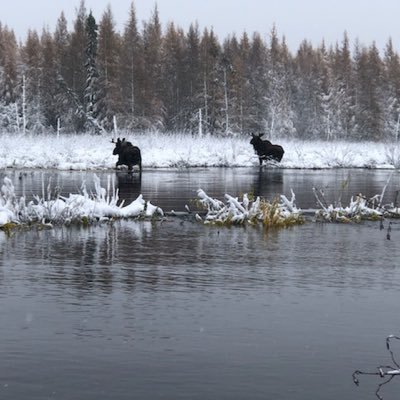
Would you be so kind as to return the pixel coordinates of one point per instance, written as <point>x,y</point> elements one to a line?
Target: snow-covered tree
<point>391,100</point>
<point>130,72</point>
<point>108,62</point>
<point>173,77</point>
<point>91,89</point>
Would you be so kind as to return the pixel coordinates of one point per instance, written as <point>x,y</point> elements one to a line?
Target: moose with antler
<point>128,154</point>
<point>265,149</point>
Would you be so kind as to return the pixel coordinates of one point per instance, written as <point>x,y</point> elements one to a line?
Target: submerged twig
<point>383,370</point>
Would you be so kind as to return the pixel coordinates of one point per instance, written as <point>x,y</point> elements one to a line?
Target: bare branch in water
<point>384,371</point>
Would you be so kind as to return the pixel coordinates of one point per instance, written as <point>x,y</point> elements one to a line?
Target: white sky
<point>367,20</point>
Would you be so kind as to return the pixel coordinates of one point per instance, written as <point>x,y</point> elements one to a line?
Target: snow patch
<point>94,152</point>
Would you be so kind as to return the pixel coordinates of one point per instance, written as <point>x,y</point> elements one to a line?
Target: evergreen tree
<point>309,92</point>
<point>193,100</point>
<point>152,56</point>
<point>33,74</point>
<point>8,65</point>
<point>9,119</point>
<point>61,46</point>
<point>49,78</point>
<point>212,82</point>
<point>243,79</point>
<point>76,79</point>
<point>368,83</point>
<point>110,101</point>
<point>65,109</point>
<point>91,90</point>
<point>231,65</point>
<point>173,77</point>
<point>391,100</point>
<point>131,72</point>
<point>279,114</point>
<point>258,106</point>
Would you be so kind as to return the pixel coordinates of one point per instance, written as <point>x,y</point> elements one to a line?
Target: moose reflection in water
<point>128,154</point>
<point>129,186</point>
<point>265,149</point>
<point>268,183</point>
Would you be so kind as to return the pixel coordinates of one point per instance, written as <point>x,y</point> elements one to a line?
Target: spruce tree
<point>91,89</point>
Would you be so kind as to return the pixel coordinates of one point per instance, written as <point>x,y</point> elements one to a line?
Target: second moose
<point>128,154</point>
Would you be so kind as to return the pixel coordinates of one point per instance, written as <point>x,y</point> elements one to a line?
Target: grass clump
<point>279,213</point>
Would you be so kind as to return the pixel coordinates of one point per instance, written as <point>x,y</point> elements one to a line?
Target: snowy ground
<point>91,152</point>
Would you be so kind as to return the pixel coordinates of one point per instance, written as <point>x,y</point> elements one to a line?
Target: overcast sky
<point>367,20</point>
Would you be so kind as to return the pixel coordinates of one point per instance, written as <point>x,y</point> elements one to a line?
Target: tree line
<point>89,77</point>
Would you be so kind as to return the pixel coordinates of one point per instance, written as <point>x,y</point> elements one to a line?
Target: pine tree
<point>193,88</point>
<point>212,82</point>
<point>33,75</point>
<point>76,79</point>
<point>49,79</point>
<point>152,48</point>
<point>231,82</point>
<point>243,77</point>
<point>8,65</point>
<point>369,79</point>
<point>110,102</point>
<point>258,106</point>
<point>131,72</point>
<point>62,41</point>
<point>309,92</point>
<point>278,91</point>
<point>342,91</point>
<point>91,89</point>
<point>391,97</point>
<point>173,77</point>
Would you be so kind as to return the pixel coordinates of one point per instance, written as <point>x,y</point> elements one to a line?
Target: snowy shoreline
<point>94,152</point>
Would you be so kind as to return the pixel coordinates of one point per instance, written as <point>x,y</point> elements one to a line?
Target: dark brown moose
<point>265,150</point>
<point>128,154</point>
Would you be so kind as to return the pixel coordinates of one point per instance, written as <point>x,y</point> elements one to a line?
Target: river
<point>174,309</point>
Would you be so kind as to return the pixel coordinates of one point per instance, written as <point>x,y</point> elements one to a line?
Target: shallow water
<point>175,310</point>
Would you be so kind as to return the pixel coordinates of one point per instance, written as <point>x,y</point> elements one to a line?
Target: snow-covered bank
<point>103,205</point>
<point>76,208</point>
<point>89,152</point>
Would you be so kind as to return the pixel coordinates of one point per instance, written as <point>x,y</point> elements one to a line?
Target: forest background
<point>168,80</point>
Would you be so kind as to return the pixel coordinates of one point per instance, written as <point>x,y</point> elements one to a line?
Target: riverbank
<point>94,152</point>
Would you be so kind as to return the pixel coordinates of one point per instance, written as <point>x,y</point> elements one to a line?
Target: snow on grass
<point>102,205</point>
<point>94,152</point>
<point>359,209</point>
<point>275,214</point>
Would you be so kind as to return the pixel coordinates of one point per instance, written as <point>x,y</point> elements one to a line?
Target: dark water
<point>177,310</point>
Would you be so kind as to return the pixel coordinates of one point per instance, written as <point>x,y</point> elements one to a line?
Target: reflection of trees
<point>140,255</point>
<point>175,255</point>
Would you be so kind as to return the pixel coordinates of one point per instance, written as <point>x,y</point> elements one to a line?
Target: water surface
<point>173,309</point>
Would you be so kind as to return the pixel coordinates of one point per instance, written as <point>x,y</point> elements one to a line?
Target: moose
<point>128,154</point>
<point>265,149</point>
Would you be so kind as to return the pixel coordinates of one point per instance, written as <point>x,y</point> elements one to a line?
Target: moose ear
<point>118,140</point>
<point>123,139</point>
<point>261,134</point>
